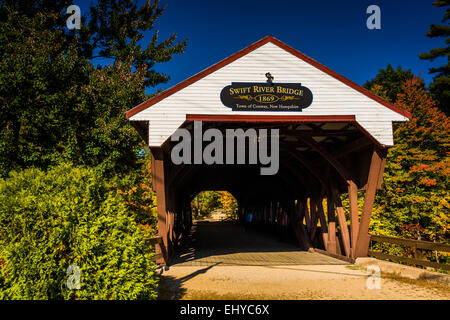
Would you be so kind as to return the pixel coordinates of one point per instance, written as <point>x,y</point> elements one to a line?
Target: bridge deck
<point>214,243</point>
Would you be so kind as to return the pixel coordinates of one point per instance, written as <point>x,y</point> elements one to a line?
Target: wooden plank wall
<point>332,228</point>
<point>331,96</point>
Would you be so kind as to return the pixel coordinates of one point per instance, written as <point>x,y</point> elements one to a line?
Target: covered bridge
<point>333,138</point>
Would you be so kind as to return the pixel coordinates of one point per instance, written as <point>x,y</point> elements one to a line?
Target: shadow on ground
<point>171,288</point>
<point>229,244</point>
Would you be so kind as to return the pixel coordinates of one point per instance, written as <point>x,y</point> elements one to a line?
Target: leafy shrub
<point>68,216</point>
<point>138,195</point>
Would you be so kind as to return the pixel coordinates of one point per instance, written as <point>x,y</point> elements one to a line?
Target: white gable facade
<point>331,96</point>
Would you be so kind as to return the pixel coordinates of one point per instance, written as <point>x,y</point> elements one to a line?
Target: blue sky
<point>331,32</point>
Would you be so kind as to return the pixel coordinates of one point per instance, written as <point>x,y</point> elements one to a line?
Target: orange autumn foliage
<point>416,179</point>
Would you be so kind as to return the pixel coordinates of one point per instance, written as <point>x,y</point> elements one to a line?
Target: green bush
<point>68,216</point>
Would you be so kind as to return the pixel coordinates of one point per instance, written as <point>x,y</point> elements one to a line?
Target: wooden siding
<point>330,96</point>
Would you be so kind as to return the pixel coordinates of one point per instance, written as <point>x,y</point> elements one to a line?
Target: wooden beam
<point>343,224</point>
<point>354,215</point>
<point>185,174</point>
<point>152,170</point>
<point>331,224</point>
<point>362,245</point>
<point>174,174</point>
<point>299,228</point>
<point>305,208</point>
<point>314,217</point>
<point>158,181</point>
<point>324,133</point>
<point>353,146</point>
<point>383,164</point>
<point>327,156</point>
<point>417,244</point>
<point>295,188</point>
<point>171,210</point>
<point>269,118</point>
<point>304,180</point>
<point>323,222</point>
<point>142,128</point>
<point>308,166</point>
<point>334,255</point>
<point>410,261</point>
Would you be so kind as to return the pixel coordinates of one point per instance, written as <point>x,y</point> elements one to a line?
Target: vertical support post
<point>307,216</point>
<point>343,224</point>
<point>314,217</point>
<point>297,223</point>
<point>171,212</point>
<point>158,182</point>
<point>331,224</point>
<point>362,245</point>
<point>323,222</point>
<point>354,215</point>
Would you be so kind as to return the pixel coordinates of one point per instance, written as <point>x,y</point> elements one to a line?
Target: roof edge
<point>198,76</point>
<point>341,78</point>
<point>160,96</point>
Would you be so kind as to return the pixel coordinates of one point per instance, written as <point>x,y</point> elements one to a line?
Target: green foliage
<point>440,87</point>
<point>101,136</point>
<point>228,203</point>
<point>139,197</point>
<point>415,200</point>
<point>36,90</point>
<point>112,29</point>
<point>58,107</point>
<point>204,203</point>
<point>391,80</point>
<point>207,201</point>
<point>67,110</point>
<point>115,30</point>
<point>68,216</point>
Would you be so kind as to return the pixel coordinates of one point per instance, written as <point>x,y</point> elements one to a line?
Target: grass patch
<point>441,287</point>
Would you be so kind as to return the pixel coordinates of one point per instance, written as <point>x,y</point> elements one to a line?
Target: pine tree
<point>56,105</point>
<point>391,80</point>
<point>115,30</point>
<point>440,87</point>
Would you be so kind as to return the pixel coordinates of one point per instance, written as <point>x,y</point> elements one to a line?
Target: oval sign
<point>266,96</point>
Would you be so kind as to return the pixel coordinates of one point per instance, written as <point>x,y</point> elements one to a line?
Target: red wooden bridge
<point>337,145</point>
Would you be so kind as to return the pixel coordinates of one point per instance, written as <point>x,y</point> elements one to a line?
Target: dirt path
<point>332,282</point>
<point>224,262</point>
